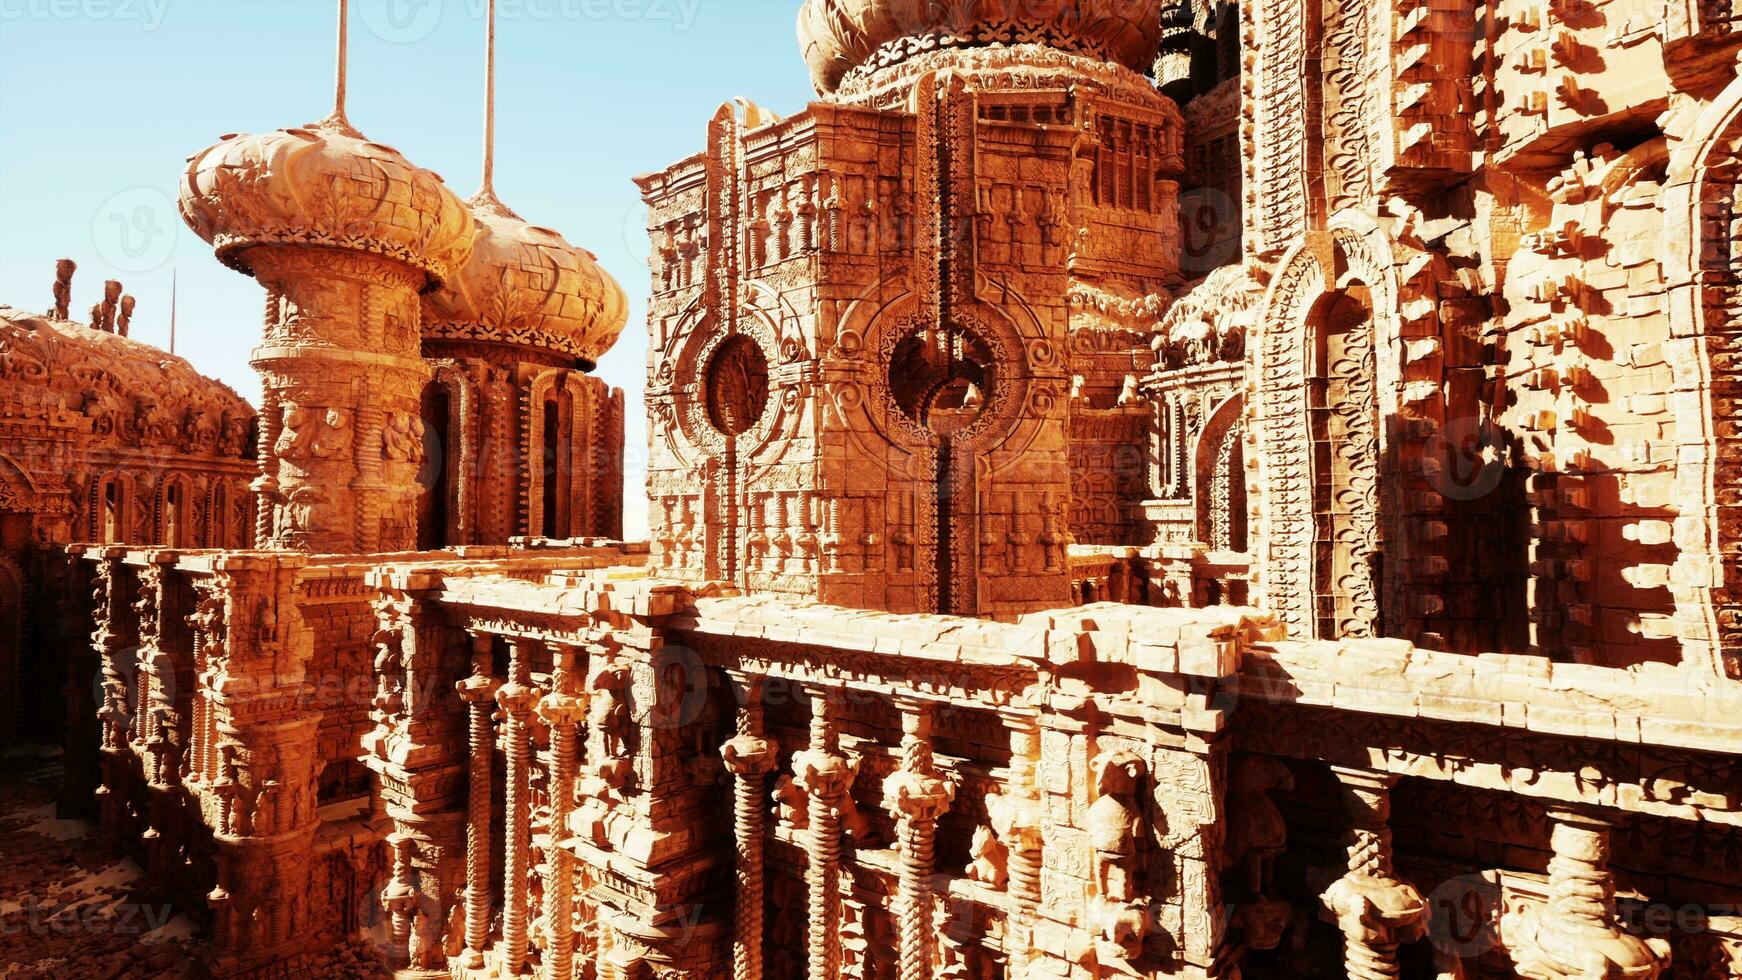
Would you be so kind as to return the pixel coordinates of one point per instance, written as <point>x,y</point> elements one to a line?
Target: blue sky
<point>102,101</point>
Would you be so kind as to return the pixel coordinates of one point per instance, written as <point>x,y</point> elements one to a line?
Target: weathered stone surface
<point>1267,519</point>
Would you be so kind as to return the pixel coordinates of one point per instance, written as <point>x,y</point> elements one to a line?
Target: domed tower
<point>511,337</point>
<point>894,336</point>
<point>852,45</point>
<point>344,234</point>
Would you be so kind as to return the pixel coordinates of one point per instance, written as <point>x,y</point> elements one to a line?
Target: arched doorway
<point>436,478</point>
<point>1344,414</point>
<point>1220,483</point>
<point>1327,366</point>
<point>11,640</point>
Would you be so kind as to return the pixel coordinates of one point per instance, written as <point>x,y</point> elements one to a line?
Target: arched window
<point>172,514</point>
<point>438,486</point>
<point>1344,409</point>
<point>554,489</point>
<point>218,517</point>
<point>109,511</point>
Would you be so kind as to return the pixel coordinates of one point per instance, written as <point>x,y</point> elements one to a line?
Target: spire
<point>486,199</point>
<point>341,81</point>
<point>489,185</point>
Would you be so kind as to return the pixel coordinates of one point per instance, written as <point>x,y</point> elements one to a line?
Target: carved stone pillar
<point>563,711</point>
<point>917,796</point>
<point>1017,818</point>
<point>517,698</point>
<point>1577,935</point>
<point>1375,910</point>
<point>114,633</point>
<point>340,359</point>
<point>749,757</point>
<point>824,775</point>
<point>399,900</point>
<point>479,693</point>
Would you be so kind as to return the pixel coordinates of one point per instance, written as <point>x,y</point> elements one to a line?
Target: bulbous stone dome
<point>527,286</point>
<point>323,184</point>
<point>838,36</point>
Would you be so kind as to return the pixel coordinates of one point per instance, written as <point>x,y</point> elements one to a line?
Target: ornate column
<point>479,693</point>
<point>113,634</point>
<point>517,698</point>
<point>563,711</point>
<point>824,775</point>
<point>1017,818</point>
<point>750,758</point>
<point>399,899</point>
<point>1577,935</point>
<point>917,796</point>
<point>343,240</point>
<point>1375,910</point>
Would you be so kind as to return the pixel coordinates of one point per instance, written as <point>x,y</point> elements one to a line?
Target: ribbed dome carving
<point>839,36</point>
<point>323,184</point>
<point>525,285</point>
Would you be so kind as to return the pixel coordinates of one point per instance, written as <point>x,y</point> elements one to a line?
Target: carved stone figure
<point>63,288</point>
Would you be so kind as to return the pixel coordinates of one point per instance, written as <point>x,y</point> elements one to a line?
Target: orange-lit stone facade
<point>1137,490</point>
<point>889,332</point>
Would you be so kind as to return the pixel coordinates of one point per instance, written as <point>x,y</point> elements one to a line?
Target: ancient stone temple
<point>103,439</point>
<point>1164,490</point>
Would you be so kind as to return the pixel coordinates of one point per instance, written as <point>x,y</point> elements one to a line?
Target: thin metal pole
<point>341,82</point>
<point>488,189</point>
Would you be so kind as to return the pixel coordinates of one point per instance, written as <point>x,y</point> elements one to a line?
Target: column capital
<point>558,709</point>
<point>1360,777</point>
<point>518,700</point>
<point>477,689</point>
<point>748,756</point>
<point>917,796</point>
<point>821,774</point>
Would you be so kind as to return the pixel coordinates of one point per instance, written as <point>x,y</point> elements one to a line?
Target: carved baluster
<point>917,796</point>
<point>399,899</point>
<point>807,215</point>
<point>1578,933</point>
<point>1374,909</point>
<point>563,711</point>
<point>479,693</point>
<point>823,774</point>
<point>780,538</point>
<point>1017,821</point>
<point>806,541</point>
<point>832,541</point>
<point>517,698</point>
<point>749,757</point>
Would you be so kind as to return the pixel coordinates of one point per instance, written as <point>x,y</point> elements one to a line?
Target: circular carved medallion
<point>737,385</point>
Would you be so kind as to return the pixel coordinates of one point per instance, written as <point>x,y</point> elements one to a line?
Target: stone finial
<point>103,313</point>
<point>124,322</point>
<point>63,288</point>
